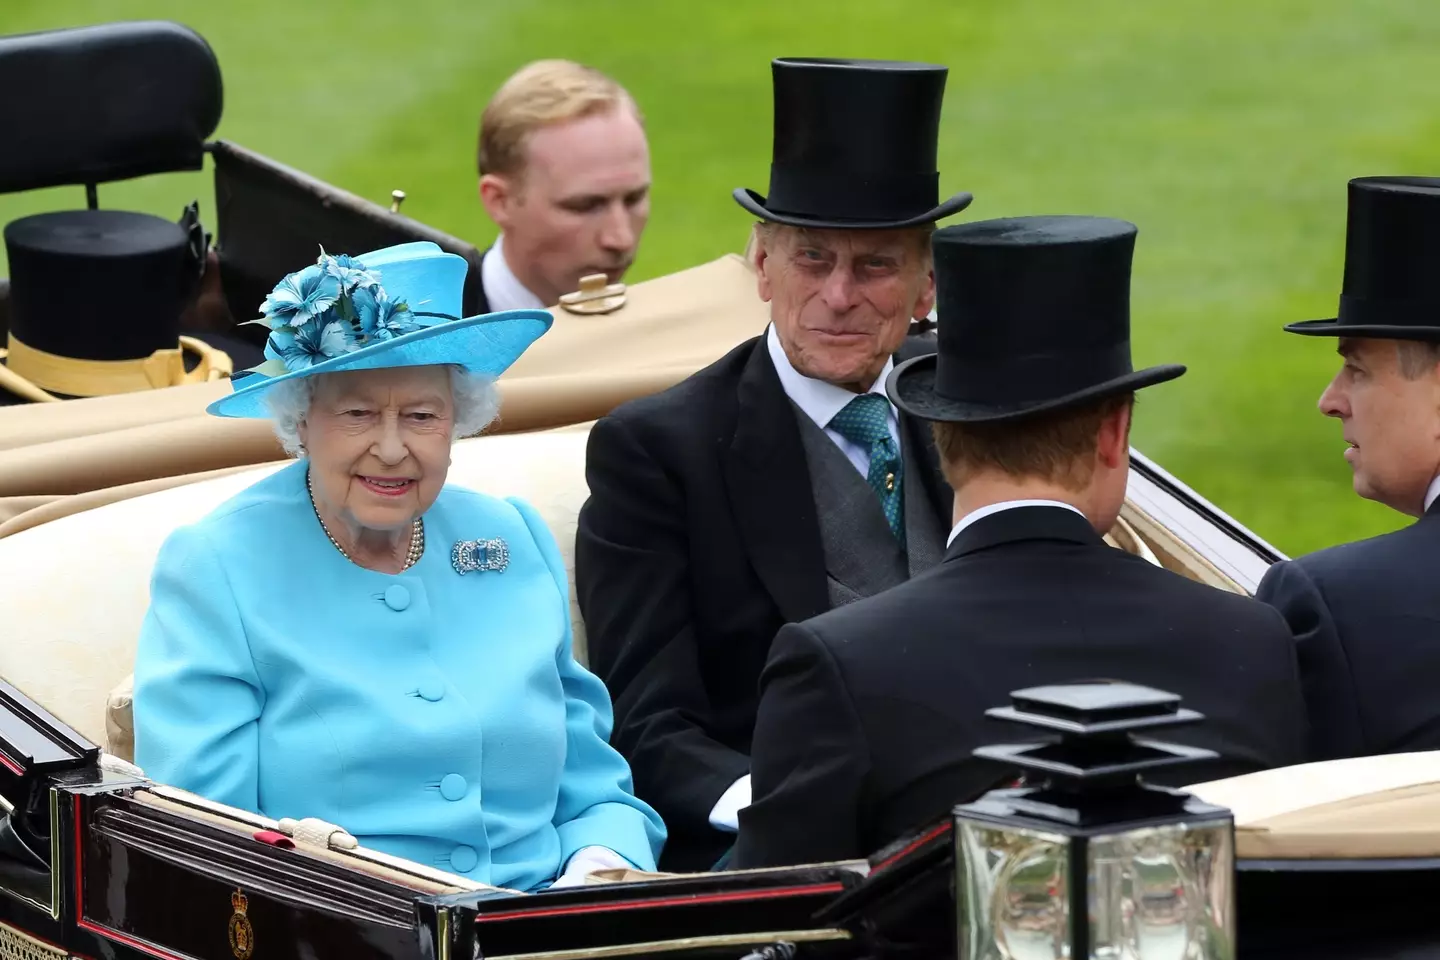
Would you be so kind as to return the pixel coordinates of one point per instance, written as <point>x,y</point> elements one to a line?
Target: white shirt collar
<point>820,400</point>
<point>994,508</point>
<point>1433,492</point>
<point>503,290</point>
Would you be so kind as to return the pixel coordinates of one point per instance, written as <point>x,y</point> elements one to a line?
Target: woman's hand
<point>586,860</point>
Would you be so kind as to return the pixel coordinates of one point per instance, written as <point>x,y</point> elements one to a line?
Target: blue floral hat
<point>337,314</point>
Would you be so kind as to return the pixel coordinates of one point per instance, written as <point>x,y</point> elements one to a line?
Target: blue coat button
<point>453,787</point>
<point>463,859</point>
<point>397,597</point>
<point>432,689</point>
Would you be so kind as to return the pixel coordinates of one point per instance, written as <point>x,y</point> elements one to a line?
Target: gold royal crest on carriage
<point>242,934</point>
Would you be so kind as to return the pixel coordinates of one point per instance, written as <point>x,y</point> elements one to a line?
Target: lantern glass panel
<point>1013,901</point>
<point>1162,893</point>
<point>1156,893</point>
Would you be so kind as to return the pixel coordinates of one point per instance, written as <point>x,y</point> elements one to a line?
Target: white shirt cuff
<point>587,860</point>
<point>726,815</point>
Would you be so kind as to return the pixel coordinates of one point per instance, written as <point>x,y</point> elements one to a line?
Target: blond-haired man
<point>869,714</point>
<point>565,173</point>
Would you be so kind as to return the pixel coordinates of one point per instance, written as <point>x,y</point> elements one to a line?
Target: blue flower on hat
<point>308,344</point>
<point>333,308</point>
<point>351,274</point>
<point>299,298</point>
<point>392,317</point>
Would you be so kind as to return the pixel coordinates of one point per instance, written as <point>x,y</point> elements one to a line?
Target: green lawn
<point>1225,128</point>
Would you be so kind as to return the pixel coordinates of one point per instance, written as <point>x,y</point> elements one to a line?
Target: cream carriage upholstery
<point>74,590</point>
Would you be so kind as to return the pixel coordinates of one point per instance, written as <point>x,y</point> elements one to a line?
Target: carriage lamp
<point>1088,860</point>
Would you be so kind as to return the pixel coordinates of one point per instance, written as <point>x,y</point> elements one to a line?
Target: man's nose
<point>618,233</point>
<point>840,290</point>
<point>1333,402</point>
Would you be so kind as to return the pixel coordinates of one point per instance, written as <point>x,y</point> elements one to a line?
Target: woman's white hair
<point>475,399</point>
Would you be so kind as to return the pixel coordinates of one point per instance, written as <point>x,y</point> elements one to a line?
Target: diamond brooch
<point>480,555</point>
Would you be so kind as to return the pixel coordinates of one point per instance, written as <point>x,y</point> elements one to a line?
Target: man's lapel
<point>770,493</point>
<point>941,499</point>
<point>917,433</point>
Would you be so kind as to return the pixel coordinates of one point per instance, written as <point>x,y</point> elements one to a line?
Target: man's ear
<point>497,193</point>
<point>926,303</point>
<point>760,257</point>
<point>1113,448</point>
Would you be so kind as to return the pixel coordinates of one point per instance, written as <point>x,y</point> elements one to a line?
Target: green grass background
<point>1226,129</point>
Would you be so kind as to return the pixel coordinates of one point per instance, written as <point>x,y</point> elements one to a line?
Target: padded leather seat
<point>75,590</point>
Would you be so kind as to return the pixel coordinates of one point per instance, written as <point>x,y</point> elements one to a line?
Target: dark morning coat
<point>1366,620</point>
<point>869,713</point>
<point>700,539</point>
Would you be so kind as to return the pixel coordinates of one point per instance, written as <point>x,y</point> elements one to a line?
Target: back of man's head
<point>537,95</point>
<point>1079,455</point>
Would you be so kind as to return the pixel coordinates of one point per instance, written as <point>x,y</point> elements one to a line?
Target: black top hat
<point>97,285</point>
<point>854,145</point>
<point>1392,262</point>
<point>1034,316</point>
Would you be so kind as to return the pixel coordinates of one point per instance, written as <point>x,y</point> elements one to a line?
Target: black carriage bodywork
<point>93,105</point>
<point>95,863</point>
<point>104,866</point>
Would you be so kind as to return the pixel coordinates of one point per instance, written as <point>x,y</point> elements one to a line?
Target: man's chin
<point>847,376</point>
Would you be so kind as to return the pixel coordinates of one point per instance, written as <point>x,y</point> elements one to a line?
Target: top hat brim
<point>484,346</point>
<point>1377,331</point>
<point>911,387</point>
<point>755,203</point>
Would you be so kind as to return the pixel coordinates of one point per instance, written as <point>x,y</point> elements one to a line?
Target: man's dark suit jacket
<point>1366,619</point>
<point>699,540</point>
<point>869,713</point>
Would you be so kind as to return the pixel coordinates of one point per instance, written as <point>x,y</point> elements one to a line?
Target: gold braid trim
<point>37,375</point>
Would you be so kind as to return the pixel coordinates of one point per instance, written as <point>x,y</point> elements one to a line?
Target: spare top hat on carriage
<point>1391,288</point>
<point>854,145</point>
<point>1034,317</point>
<point>97,296</point>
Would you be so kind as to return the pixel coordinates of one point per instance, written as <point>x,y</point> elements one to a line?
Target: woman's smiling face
<point>379,444</point>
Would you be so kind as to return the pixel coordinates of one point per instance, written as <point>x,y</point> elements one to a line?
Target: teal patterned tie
<point>865,421</point>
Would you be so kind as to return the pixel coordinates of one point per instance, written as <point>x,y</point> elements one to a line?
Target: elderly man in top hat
<point>779,482</point>
<point>1366,615</point>
<point>868,714</point>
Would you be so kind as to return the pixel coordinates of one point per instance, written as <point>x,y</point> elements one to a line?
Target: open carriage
<point>96,860</point>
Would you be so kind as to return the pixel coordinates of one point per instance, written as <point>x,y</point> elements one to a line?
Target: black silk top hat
<point>1034,316</point>
<point>854,145</point>
<point>96,303</point>
<point>1392,262</point>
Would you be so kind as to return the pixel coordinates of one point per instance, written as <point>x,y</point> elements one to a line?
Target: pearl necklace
<point>417,532</point>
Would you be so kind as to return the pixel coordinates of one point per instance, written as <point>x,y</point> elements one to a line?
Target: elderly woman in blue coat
<point>353,640</point>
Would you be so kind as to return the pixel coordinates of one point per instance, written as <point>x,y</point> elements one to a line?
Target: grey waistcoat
<point>862,556</point>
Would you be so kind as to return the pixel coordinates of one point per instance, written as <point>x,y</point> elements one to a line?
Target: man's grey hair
<point>1417,357</point>
<point>476,401</point>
